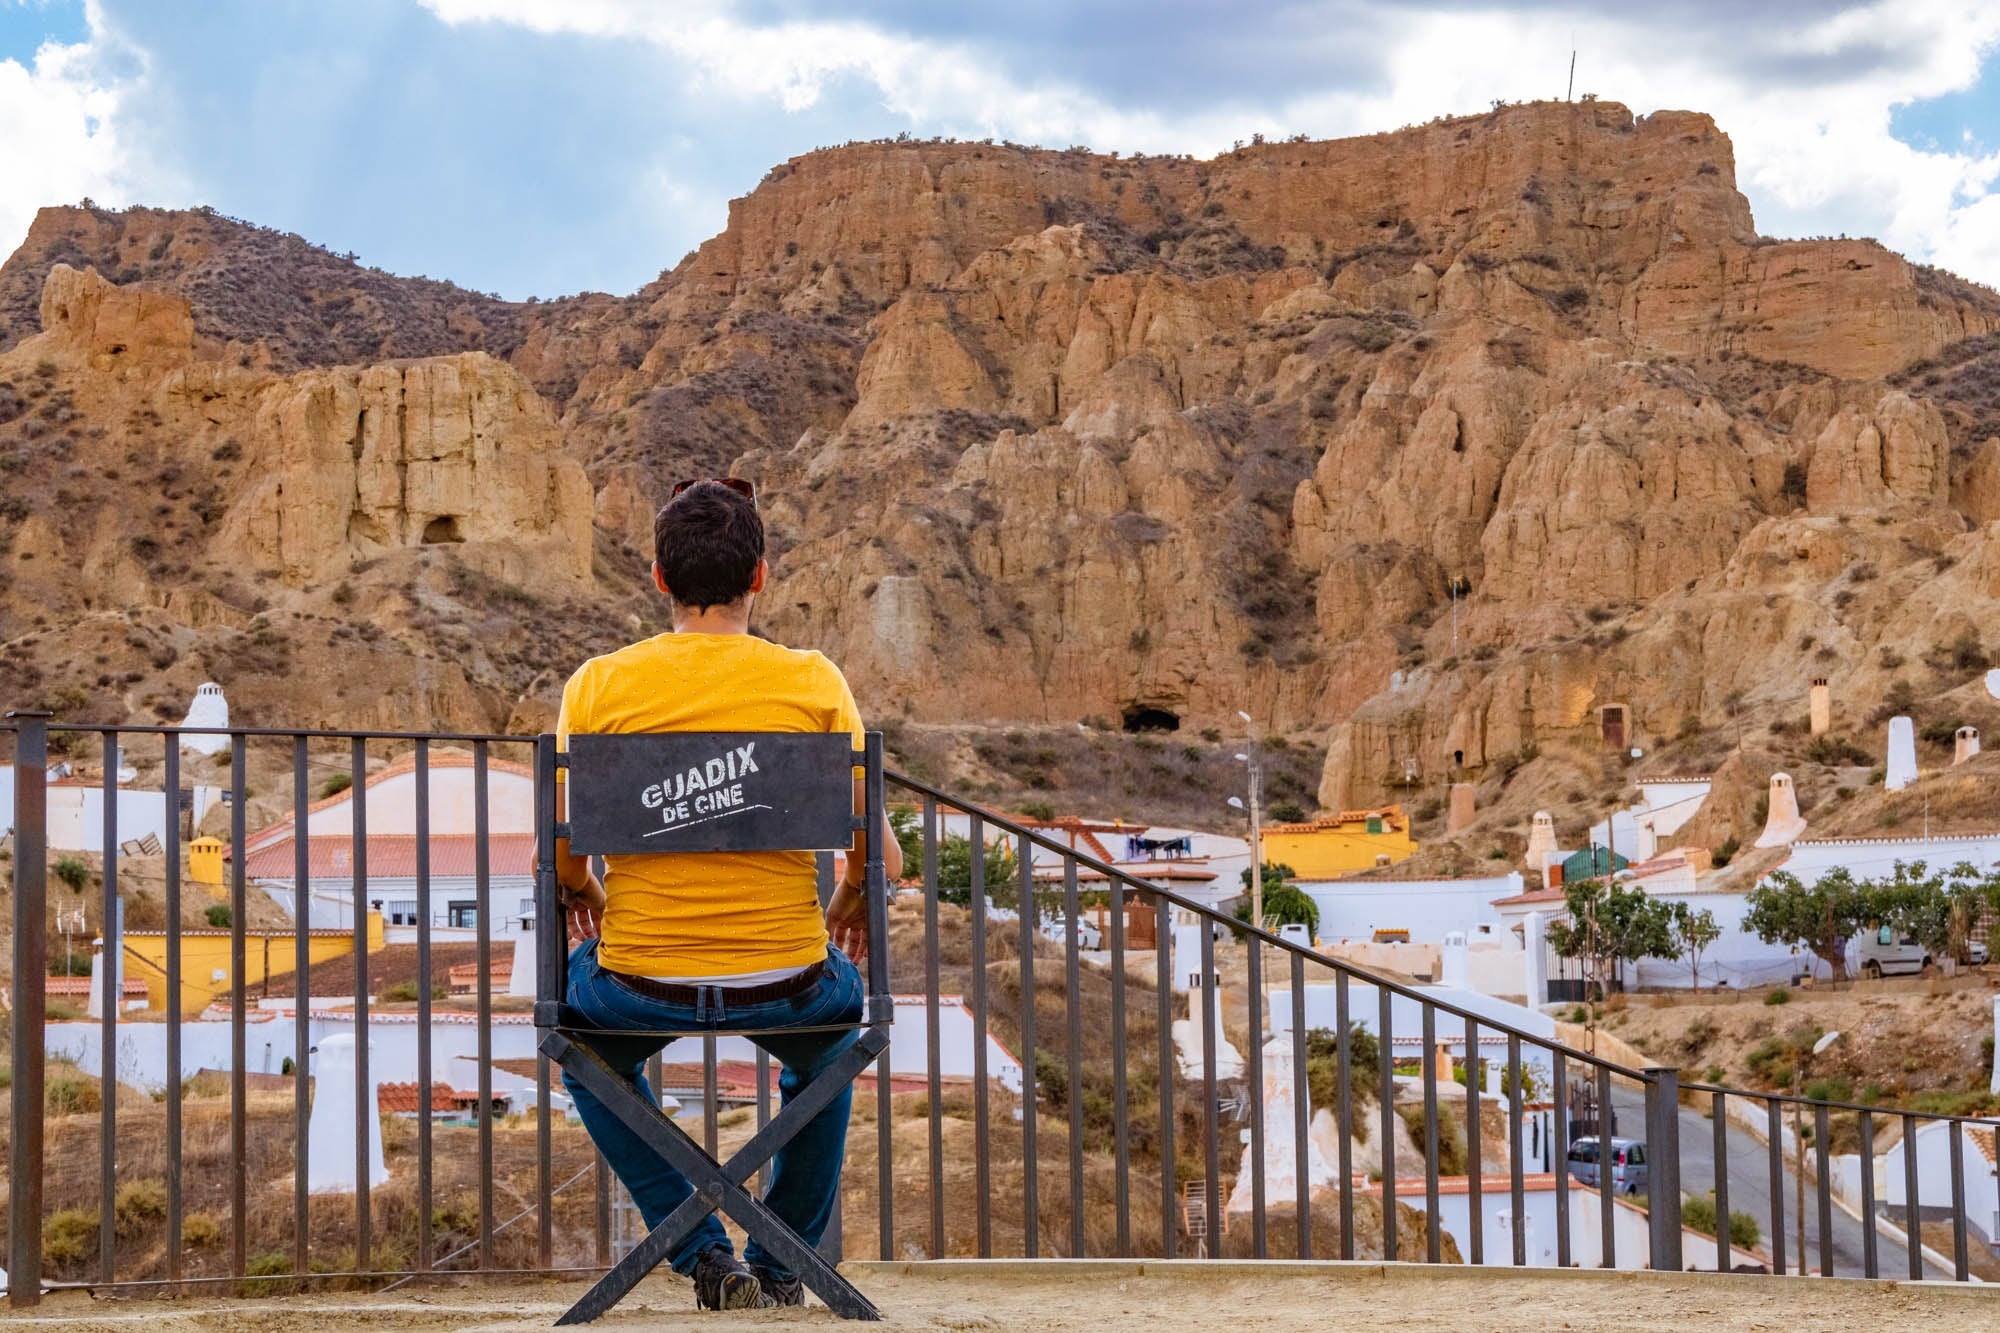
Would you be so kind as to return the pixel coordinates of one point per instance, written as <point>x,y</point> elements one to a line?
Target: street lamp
<point>1799,1139</point>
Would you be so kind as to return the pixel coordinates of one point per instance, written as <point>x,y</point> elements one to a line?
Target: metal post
<point>1663,1155</point>
<point>31,858</point>
<point>111,963</point>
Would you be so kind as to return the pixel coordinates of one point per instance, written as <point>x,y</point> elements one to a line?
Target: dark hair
<point>708,540</point>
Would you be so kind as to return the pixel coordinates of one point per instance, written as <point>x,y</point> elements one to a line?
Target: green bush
<point>138,1203</point>
<point>67,1092</point>
<point>70,1235</point>
<point>407,990</point>
<point>73,871</point>
<point>218,916</point>
<point>1698,1213</point>
<point>1777,995</point>
<point>200,1229</point>
<point>1830,1090</point>
<point>335,784</point>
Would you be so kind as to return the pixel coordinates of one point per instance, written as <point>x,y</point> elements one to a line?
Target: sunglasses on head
<point>737,484</point>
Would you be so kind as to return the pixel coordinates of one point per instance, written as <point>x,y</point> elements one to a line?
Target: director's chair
<point>642,794</point>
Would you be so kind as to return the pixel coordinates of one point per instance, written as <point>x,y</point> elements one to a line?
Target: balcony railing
<point>1256,1130</point>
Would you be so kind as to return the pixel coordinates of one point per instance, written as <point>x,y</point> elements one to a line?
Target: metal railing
<point>1123,1101</point>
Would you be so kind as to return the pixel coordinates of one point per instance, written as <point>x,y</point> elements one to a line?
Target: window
<point>527,907</point>
<point>1583,1152</point>
<point>465,915</point>
<point>1634,1155</point>
<point>1884,936</point>
<point>403,912</point>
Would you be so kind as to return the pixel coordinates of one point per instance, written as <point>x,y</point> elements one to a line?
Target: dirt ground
<point>1096,1296</point>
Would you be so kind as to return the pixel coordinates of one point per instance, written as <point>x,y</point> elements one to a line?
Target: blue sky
<point>550,146</point>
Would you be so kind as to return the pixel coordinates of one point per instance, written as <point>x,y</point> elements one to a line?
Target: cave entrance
<point>1612,725</point>
<point>443,529</point>
<point>1139,719</point>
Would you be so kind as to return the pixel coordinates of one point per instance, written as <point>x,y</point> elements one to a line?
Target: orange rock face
<point>1435,444</point>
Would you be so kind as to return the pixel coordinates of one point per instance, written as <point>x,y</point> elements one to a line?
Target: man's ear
<point>660,580</point>
<point>758,579</point>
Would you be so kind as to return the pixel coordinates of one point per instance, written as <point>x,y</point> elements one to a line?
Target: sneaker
<point>723,1282</point>
<point>780,1290</point>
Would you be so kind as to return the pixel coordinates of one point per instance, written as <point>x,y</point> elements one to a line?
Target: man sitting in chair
<point>676,942</point>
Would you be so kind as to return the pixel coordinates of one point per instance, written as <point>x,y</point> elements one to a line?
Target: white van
<point>1885,952</point>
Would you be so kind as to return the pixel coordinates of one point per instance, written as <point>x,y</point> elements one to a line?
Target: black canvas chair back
<point>668,793</point>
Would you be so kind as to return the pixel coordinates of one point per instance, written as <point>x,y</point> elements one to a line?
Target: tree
<point>1937,909</point>
<point>1283,904</point>
<point>1276,873</point>
<point>1821,918</point>
<point>1693,930</point>
<point>1609,923</point>
<point>1002,873</point>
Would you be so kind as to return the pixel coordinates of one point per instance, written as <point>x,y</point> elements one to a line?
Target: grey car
<point>1627,1161</point>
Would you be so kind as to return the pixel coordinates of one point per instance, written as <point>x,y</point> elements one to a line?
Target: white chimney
<point>1784,825</point>
<point>330,1153</point>
<point>1901,769</point>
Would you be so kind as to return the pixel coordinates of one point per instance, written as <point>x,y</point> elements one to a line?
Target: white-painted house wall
<point>1430,909</point>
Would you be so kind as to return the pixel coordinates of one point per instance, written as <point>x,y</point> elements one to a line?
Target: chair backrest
<point>654,793</point>
<point>716,791</point>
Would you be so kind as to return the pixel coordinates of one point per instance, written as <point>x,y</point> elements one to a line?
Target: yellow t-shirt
<point>709,914</point>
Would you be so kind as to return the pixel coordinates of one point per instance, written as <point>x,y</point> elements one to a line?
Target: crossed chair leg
<point>717,1185</point>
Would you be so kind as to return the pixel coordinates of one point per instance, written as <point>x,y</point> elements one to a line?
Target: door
<point>1614,727</point>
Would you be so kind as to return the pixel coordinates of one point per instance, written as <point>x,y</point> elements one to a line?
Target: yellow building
<point>1336,845</point>
<point>205,959</point>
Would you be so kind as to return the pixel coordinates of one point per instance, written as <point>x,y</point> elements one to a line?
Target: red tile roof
<point>66,986</point>
<point>394,856</point>
<point>402,1098</point>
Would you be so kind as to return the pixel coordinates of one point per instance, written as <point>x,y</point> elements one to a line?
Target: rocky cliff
<point>1445,446</point>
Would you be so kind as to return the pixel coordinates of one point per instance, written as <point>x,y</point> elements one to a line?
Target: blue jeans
<point>805,1174</point>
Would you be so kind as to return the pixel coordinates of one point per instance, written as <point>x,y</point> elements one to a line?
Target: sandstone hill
<point>1494,447</point>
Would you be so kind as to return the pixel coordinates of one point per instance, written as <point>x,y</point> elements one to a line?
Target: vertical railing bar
<point>171,779</point>
<point>1559,1151</point>
<point>1164,1001</point>
<point>1386,1090</point>
<point>1870,1259</point>
<point>1775,1142</point>
<point>1301,1111</point>
<point>1211,1017</point>
<point>27,1013</point>
<point>545,1221</point>
<point>424,1135</point>
<point>301,1004</point>
<point>1516,1109</point>
<point>982,1160</point>
<point>1475,1147</point>
<point>1254,976</point>
<point>482,893</point>
<point>239,1088</point>
<point>1913,1217</point>
<point>601,1201</point>
<point>1960,1269</point>
<point>111,993</point>
<point>710,1094</point>
<point>1823,1161</point>
<point>1121,1132</point>
<point>763,1108</point>
<point>885,1153</point>
<point>1725,1257</point>
<point>1343,1104</point>
<point>1073,983</point>
<point>367,1113</point>
<point>1031,1165</point>
<point>1606,1127</point>
<point>933,1037</point>
<point>1433,1147</point>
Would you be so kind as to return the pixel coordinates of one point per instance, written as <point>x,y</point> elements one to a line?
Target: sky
<point>543,147</point>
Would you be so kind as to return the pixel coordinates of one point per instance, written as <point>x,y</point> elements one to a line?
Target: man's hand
<point>583,910</point>
<point>847,922</point>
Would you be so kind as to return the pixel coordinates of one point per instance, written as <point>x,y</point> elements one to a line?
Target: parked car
<point>1886,952</point>
<point>1627,1159</point>
<point>1976,953</point>
<point>1297,933</point>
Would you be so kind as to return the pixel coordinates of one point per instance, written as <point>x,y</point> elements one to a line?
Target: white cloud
<point>1806,96</point>
<point>62,142</point>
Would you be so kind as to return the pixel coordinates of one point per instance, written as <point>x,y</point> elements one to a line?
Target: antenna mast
<point>1569,93</point>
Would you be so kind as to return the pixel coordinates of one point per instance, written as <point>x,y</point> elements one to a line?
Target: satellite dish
<point>1993,682</point>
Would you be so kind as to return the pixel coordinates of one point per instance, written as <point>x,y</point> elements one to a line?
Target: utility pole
<point>1256,825</point>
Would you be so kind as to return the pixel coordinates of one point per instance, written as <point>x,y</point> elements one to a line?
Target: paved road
<point>1750,1192</point>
